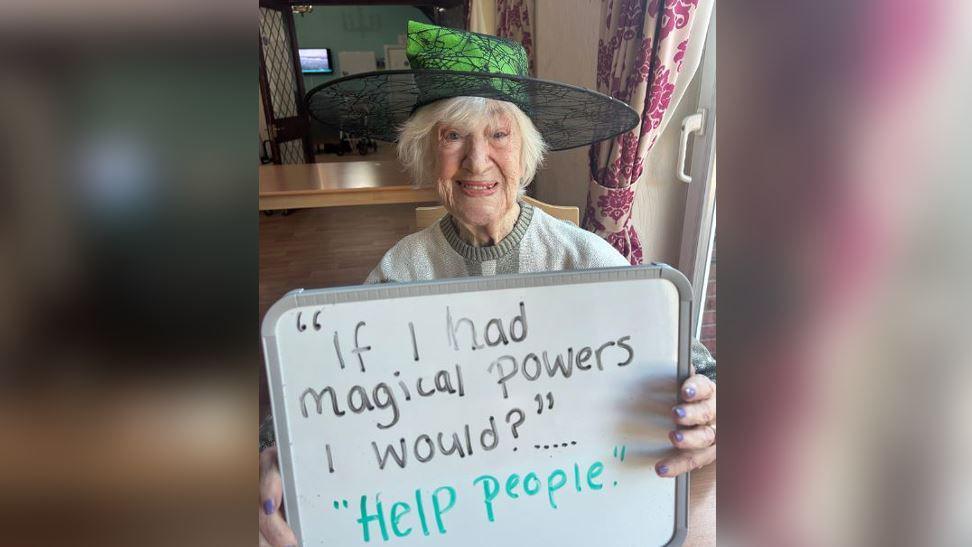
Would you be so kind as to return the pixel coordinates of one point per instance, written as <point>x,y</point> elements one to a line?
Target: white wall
<point>659,204</point>
<point>482,16</point>
<point>566,50</point>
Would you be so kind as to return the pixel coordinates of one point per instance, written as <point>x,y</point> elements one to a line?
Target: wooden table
<point>301,186</point>
<point>702,508</point>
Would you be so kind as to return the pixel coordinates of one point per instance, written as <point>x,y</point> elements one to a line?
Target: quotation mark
<point>619,454</point>
<point>302,326</point>
<point>539,400</point>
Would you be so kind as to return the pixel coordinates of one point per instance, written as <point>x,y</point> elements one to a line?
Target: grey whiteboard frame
<point>300,297</point>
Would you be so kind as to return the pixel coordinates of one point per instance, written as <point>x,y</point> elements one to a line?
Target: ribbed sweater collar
<point>493,252</point>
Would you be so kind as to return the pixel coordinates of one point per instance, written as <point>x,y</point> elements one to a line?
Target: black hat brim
<point>376,104</point>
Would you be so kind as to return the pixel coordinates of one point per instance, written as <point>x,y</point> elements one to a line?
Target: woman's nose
<point>477,155</point>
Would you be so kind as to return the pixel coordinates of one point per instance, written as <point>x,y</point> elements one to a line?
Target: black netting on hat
<point>377,103</point>
<point>466,51</point>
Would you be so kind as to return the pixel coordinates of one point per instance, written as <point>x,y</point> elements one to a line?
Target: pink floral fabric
<point>608,214</point>
<point>514,20</point>
<point>640,51</point>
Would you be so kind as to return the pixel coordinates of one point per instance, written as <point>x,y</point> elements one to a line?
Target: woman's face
<point>478,169</point>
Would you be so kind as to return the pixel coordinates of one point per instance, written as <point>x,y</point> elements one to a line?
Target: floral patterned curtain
<point>514,20</point>
<point>640,51</point>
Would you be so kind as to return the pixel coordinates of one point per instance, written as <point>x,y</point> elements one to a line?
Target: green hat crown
<point>438,48</point>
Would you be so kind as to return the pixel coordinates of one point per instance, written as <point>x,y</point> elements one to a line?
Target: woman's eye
<point>452,136</point>
<point>500,135</point>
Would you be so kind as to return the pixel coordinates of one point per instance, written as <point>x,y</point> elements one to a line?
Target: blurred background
<point>129,305</point>
<point>128,315</point>
<point>844,254</point>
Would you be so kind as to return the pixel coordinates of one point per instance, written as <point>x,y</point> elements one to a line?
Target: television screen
<point>315,61</point>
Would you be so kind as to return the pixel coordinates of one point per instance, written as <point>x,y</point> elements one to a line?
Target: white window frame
<point>698,228</point>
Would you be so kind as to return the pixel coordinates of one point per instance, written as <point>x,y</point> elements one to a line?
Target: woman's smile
<point>477,188</point>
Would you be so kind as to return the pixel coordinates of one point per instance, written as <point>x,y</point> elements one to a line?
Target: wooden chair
<point>426,216</point>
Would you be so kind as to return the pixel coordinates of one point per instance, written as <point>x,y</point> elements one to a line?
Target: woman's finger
<point>702,412</point>
<point>696,388</point>
<point>684,461</point>
<point>274,528</point>
<point>271,487</point>
<point>694,437</point>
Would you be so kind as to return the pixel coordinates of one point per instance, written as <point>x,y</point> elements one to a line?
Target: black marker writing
<point>531,367</point>
<point>494,334</point>
<point>427,445</point>
<point>337,350</point>
<point>330,462</point>
<point>629,349</point>
<point>359,400</point>
<point>453,330</point>
<point>358,350</point>
<point>415,353</point>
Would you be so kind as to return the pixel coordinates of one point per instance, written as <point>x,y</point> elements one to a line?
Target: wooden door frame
<point>296,127</point>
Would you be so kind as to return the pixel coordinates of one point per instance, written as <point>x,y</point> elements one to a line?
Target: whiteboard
<point>511,410</point>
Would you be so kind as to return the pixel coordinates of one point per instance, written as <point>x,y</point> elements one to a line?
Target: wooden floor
<point>326,247</point>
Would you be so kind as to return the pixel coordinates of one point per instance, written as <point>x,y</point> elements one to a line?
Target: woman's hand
<point>696,436</point>
<point>274,531</point>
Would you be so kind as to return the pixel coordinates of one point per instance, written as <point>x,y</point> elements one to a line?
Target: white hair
<point>417,136</point>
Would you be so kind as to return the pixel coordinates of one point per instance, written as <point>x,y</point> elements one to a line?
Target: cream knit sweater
<point>538,243</point>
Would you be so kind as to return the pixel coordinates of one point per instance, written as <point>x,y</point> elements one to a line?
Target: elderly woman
<point>481,154</point>
<point>480,150</point>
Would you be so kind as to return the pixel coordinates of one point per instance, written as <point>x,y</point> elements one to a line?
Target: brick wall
<point>708,337</point>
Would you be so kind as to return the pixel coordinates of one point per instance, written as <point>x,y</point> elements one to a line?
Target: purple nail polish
<point>268,507</point>
<point>678,436</point>
<point>662,469</point>
<point>679,411</point>
<point>689,392</point>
